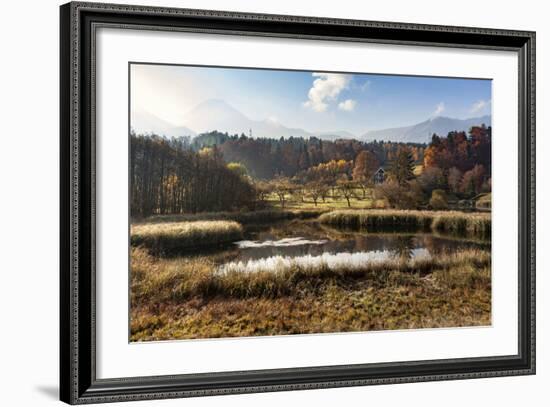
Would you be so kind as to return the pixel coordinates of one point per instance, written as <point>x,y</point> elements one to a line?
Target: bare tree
<point>347,189</point>
<point>282,188</point>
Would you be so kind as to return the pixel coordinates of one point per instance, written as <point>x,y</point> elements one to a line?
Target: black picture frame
<point>78,382</point>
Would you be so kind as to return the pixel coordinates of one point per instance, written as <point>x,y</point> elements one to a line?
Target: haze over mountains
<point>422,132</point>
<point>215,114</point>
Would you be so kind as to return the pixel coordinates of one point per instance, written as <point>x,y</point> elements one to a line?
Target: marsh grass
<point>162,238</point>
<point>194,297</point>
<point>261,216</point>
<point>164,280</point>
<point>477,225</point>
<point>448,222</point>
<point>379,220</point>
<point>179,299</point>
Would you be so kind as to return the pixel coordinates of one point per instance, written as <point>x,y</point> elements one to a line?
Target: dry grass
<point>476,225</point>
<point>165,237</point>
<point>376,220</point>
<point>451,222</point>
<point>187,298</point>
<point>261,216</point>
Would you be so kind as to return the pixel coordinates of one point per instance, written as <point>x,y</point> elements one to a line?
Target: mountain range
<point>215,114</point>
<point>422,132</point>
<point>145,122</point>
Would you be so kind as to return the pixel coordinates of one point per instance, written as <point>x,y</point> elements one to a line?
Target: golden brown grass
<point>165,237</point>
<point>187,298</point>
<point>260,216</point>
<point>451,222</point>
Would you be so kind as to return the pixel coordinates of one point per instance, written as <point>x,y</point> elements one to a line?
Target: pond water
<point>308,242</point>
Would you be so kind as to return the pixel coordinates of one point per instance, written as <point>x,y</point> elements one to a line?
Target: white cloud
<point>325,88</point>
<point>365,86</point>
<point>440,108</point>
<point>347,105</point>
<point>479,106</point>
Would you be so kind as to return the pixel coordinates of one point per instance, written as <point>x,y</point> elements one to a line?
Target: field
<point>358,200</point>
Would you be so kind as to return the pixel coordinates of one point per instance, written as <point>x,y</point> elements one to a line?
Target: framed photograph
<point>254,203</point>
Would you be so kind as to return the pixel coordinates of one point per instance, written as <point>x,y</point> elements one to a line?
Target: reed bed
<point>182,299</point>
<point>378,220</point>
<point>261,216</point>
<point>477,225</point>
<point>162,238</point>
<point>450,222</point>
<point>165,280</point>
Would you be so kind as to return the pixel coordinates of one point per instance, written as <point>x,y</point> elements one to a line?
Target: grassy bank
<point>180,279</point>
<point>476,225</point>
<point>189,298</point>
<point>456,223</point>
<point>164,237</point>
<point>379,220</point>
<point>261,216</point>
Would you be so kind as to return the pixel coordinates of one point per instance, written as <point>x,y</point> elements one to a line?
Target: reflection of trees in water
<point>404,246</point>
<point>337,240</point>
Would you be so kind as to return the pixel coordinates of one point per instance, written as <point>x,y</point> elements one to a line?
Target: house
<point>379,176</point>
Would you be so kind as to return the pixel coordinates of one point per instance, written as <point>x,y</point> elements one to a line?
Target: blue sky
<point>313,101</point>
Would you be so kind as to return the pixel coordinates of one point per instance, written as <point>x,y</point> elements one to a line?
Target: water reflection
<point>311,241</point>
<point>349,261</point>
<point>306,238</point>
<point>404,246</point>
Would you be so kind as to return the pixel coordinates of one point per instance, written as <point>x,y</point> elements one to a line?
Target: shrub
<point>400,196</point>
<point>439,199</point>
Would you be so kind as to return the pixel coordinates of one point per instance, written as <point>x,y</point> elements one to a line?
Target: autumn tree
<point>459,150</point>
<point>167,176</point>
<point>454,179</point>
<point>399,196</point>
<point>238,168</point>
<point>432,178</point>
<point>366,164</point>
<point>472,180</point>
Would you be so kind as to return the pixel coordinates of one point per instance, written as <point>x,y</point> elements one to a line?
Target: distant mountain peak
<point>144,122</point>
<point>423,131</point>
<point>217,114</point>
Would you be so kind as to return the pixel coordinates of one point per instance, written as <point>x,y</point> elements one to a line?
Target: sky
<point>313,101</point>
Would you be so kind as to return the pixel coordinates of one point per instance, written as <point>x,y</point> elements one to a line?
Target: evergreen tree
<point>402,166</point>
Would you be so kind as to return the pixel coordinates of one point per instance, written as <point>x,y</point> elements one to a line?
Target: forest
<point>220,172</point>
